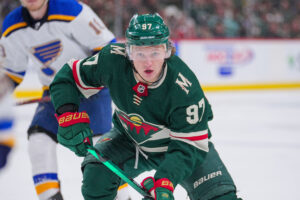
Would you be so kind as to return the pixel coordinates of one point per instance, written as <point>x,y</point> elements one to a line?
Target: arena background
<point>246,55</point>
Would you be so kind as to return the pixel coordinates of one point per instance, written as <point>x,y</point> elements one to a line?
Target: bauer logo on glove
<point>73,130</point>
<point>69,118</point>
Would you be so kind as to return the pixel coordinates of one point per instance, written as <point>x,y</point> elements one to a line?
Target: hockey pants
<point>208,181</point>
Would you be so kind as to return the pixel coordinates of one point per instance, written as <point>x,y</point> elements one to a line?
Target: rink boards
<point>228,64</point>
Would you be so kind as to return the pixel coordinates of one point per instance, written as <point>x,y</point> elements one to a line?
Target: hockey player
<point>46,34</point>
<point>7,139</point>
<point>160,121</point>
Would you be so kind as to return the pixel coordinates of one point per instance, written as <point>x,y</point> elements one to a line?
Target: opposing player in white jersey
<point>48,34</point>
<point>7,139</point>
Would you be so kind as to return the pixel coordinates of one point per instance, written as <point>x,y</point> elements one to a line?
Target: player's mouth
<point>148,71</point>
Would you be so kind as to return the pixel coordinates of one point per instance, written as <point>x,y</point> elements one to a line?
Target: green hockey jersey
<point>172,118</point>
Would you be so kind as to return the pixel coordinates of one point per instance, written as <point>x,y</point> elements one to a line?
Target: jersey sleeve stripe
<point>14,28</point>
<point>76,74</point>
<point>87,91</point>
<point>9,142</point>
<point>16,78</point>
<point>97,49</point>
<point>192,134</point>
<point>199,144</point>
<point>195,138</point>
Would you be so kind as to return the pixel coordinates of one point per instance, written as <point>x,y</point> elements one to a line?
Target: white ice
<point>257,134</point>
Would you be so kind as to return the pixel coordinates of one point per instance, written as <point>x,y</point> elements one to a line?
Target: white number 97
<point>193,112</point>
<point>146,26</point>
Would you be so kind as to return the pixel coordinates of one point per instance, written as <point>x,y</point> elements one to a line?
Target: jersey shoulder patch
<point>13,22</point>
<point>184,79</point>
<point>183,83</point>
<point>58,12</point>
<point>118,49</point>
<point>114,49</point>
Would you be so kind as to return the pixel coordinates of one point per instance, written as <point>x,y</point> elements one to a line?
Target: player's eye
<point>155,54</point>
<point>140,55</point>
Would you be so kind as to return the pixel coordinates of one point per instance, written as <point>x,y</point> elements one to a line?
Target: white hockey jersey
<point>69,30</point>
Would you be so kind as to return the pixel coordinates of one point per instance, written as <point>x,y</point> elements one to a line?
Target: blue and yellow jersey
<point>56,12</point>
<point>47,44</point>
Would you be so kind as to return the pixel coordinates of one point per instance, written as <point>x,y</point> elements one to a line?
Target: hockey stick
<point>37,100</point>
<point>114,168</point>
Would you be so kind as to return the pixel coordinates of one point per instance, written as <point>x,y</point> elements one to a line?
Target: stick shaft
<point>37,100</point>
<point>114,168</point>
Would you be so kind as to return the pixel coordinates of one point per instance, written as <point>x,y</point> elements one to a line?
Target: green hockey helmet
<point>147,30</point>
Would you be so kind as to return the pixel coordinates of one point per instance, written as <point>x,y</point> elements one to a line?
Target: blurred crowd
<point>202,18</point>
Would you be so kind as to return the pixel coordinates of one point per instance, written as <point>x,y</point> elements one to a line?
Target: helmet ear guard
<point>169,49</point>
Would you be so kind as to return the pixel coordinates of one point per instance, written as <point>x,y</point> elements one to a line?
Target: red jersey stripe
<point>194,138</point>
<point>76,78</point>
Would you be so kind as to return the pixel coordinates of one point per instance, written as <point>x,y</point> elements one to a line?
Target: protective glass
<point>146,53</point>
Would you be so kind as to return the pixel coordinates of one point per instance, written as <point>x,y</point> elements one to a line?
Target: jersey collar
<point>35,24</point>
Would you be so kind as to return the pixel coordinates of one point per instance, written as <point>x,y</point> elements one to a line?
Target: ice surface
<point>257,134</point>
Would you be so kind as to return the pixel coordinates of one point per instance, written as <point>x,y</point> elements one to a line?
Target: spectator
<point>202,18</point>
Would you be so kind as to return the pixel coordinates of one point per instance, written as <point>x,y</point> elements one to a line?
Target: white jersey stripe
<point>200,144</point>
<point>87,91</point>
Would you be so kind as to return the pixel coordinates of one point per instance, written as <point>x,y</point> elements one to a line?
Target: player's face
<point>33,5</point>
<point>148,61</point>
